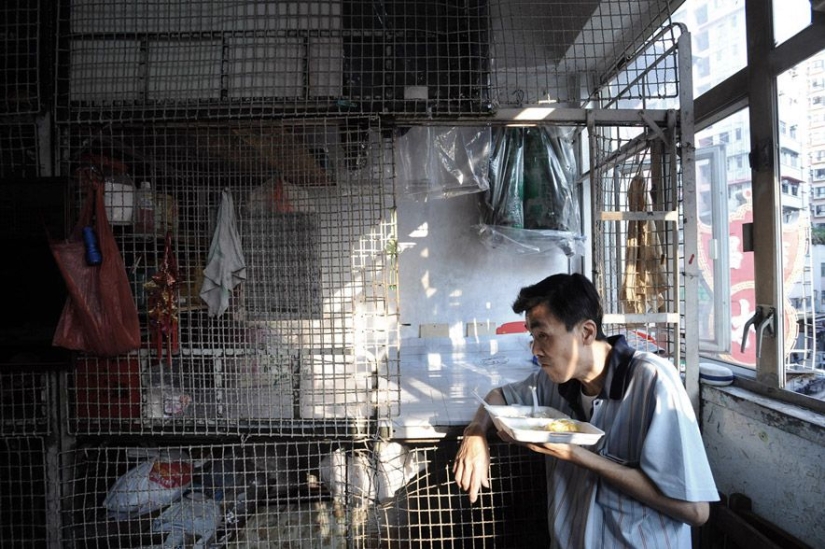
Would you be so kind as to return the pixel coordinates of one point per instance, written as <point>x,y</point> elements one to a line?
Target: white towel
<point>225,266</point>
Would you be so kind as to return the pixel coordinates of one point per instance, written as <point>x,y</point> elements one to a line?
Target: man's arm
<point>472,461</point>
<point>632,481</point>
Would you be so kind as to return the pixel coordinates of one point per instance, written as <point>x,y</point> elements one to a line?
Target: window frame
<point>754,86</point>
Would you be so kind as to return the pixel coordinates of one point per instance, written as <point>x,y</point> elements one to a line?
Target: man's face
<point>557,350</point>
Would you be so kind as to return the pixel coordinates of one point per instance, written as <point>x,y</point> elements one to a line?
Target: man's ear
<point>588,331</point>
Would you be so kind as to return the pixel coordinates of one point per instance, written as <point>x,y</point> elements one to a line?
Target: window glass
<point>803,245</point>
<point>790,17</point>
<point>726,295</point>
<point>717,31</point>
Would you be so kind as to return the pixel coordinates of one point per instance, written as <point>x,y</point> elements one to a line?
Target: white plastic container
<point>119,198</point>
<point>715,374</point>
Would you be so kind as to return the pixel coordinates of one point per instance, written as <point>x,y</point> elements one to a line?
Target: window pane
<point>801,248</point>
<point>727,298</point>
<point>790,17</point>
<point>717,30</point>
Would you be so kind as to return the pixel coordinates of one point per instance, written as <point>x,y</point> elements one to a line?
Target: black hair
<point>571,298</point>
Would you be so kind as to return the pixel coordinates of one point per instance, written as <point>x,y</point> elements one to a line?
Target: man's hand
<point>472,463</point>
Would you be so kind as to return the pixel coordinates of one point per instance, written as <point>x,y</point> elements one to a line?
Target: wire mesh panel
<point>313,494</point>
<point>293,221</point>
<point>425,58</point>
<point>25,398</point>
<point>638,199</point>
<point>20,57</point>
<point>23,489</point>
<point>561,52</point>
<point>19,151</point>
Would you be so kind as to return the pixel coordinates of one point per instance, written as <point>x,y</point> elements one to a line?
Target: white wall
<point>446,276</point>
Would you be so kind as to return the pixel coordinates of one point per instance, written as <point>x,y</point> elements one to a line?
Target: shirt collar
<point>619,369</point>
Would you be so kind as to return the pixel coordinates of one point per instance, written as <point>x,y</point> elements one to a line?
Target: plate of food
<point>558,429</point>
<point>521,410</point>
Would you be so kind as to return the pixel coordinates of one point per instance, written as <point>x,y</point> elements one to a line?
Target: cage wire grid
<point>23,492</point>
<point>637,239</point>
<point>211,59</point>
<point>301,494</point>
<point>20,62</point>
<point>286,105</point>
<point>305,335</point>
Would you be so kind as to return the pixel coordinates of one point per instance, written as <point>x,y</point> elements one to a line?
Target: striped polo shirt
<point>649,423</point>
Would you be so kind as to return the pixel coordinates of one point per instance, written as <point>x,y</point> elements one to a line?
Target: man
<point>647,480</point>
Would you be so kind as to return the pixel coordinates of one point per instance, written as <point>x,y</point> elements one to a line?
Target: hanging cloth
<point>225,266</point>
<point>163,305</point>
<point>645,281</point>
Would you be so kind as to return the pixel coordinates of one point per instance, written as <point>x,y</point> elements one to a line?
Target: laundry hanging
<point>644,282</point>
<point>226,266</point>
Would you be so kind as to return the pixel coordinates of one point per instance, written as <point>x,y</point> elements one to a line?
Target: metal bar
<point>672,216</point>
<point>690,266</point>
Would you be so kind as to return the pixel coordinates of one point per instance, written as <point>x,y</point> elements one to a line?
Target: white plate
<point>519,410</point>
<point>530,429</point>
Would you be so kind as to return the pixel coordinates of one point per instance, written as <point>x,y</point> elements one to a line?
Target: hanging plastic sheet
<point>530,206</point>
<point>441,162</point>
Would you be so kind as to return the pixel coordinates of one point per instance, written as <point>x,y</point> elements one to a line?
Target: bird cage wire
<point>304,494</point>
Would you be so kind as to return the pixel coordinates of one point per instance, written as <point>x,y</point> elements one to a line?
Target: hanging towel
<point>225,266</point>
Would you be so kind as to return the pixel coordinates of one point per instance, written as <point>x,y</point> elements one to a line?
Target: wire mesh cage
<point>251,419</point>
<point>312,494</point>
<point>23,492</point>
<point>26,399</point>
<point>637,238</point>
<point>425,58</point>
<point>21,58</point>
<point>304,331</point>
<point>19,148</point>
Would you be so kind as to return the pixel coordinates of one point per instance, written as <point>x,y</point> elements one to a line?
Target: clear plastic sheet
<point>530,242</point>
<point>530,206</point>
<point>441,162</point>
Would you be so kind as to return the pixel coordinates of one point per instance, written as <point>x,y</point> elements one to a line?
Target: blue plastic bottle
<point>93,256</point>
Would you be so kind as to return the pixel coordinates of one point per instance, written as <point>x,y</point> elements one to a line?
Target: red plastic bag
<point>100,316</point>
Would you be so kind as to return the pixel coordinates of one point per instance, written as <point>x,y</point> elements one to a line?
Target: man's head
<point>571,298</point>
<point>563,314</point>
